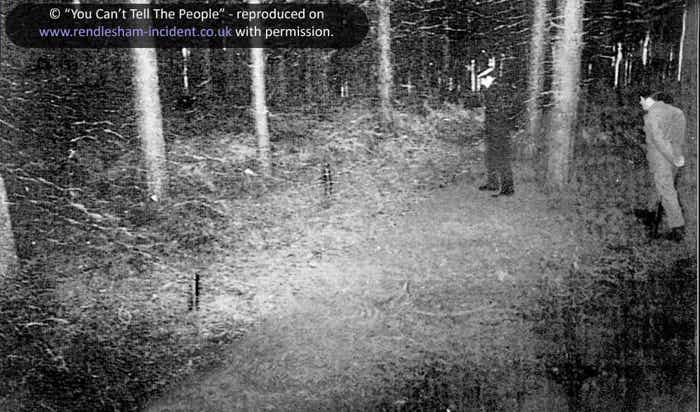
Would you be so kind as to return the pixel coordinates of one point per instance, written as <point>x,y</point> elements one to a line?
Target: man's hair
<point>658,96</point>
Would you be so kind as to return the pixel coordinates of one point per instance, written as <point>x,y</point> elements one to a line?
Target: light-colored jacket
<point>664,126</point>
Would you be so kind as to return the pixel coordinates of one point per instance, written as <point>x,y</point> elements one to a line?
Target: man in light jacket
<point>664,126</point>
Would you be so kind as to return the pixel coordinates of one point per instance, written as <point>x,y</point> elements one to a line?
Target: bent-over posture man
<point>500,111</point>
<point>664,126</point>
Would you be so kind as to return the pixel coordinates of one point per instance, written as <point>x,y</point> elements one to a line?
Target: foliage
<point>617,332</point>
<point>612,325</point>
<point>100,321</point>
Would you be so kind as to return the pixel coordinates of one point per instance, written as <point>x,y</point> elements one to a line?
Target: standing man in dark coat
<point>501,109</point>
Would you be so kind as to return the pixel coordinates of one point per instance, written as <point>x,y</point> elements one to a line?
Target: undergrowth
<point>97,317</point>
<point>617,333</point>
<point>99,321</point>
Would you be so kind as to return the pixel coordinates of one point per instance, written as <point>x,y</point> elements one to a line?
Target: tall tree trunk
<point>324,77</point>
<point>281,79</point>
<point>618,60</point>
<point>185,71</point>
<point>424,80</point>
<point>565,87</point>
<point>8,256</point>
<point>257,76</point>
<point>682,42</point>
<point>150,121</point>
<point>445,75</point>
<point>385,69</point>
<point>689,98</point>
<point>206,62</point>
<point>538,42</point>
<point>689,76</point>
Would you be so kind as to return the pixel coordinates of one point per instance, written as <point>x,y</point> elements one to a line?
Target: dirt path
<point>340,327</point>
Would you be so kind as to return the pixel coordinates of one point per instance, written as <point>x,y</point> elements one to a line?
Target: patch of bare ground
<point>344,317</point>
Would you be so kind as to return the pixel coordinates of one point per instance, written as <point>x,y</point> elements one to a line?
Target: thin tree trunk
<point>206,57</point>
<point>689,96</point>
<point>446,64</point>
<point>680,47</point>
<point>281,70</point>
<point>150,121</point>
<point>185,71</point>
<point>257,76</point>
<point>538,43</point>
<point>618,61</point>
<point>472,73</point>
<point>324,77</point>
<point>385,68</point>
<point>8,255</point>
<point>424,80</point>
<point>565,85</point>
<point>645,48</point>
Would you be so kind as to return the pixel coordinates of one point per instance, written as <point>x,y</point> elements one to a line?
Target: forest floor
<point>407,289</point>
<point>422,307</point>
<point>343,313</point>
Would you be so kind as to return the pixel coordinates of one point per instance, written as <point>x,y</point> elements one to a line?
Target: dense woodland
<point>124,173</point>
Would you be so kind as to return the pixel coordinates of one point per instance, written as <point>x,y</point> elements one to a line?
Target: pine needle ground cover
<point>403,289</point>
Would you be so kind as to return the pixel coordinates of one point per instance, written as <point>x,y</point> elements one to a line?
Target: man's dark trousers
<point>498,159</point>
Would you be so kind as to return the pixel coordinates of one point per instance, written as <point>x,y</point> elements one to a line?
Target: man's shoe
<point>505,191</point>
<point>645,216</point>
<point>676,234</point>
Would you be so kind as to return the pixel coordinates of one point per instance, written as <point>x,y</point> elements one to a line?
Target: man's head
<point>647,98</point>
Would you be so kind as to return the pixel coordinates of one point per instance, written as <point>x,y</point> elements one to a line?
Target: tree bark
<point>150,121</point>
<point>385,68</point>
<point>206,62</point>
<point>689,76</point>
<point>565,87</point>
<point>618,60</point>
<point>185,71</point>
<point>689,104</point>
<point>257,75</point>
<point>538,42</point>
<point>424,81</point>
<point>445,75</point>
<point>324,85</point>
<point>281,70</point>
<point>8,255</point>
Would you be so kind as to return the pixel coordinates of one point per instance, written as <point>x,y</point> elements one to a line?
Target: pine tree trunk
<point>8,256</point>
<point>424,80</point>
<point>689,98</point>
<point>689,77</point>
<point>385,68</point>
<point>538,42</point>
<point>565,86</point>
<point>150,121</point>
<point>324,81</point>
<point>257,76</point>
<point>206,57</point>
<point>185,71</point>
<point>446,63</point>
<point>281,80</point>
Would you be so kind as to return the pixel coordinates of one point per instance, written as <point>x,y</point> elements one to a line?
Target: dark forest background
<point>80,329</point>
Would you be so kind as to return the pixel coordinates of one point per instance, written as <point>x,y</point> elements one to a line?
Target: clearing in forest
<point>344,317</point>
